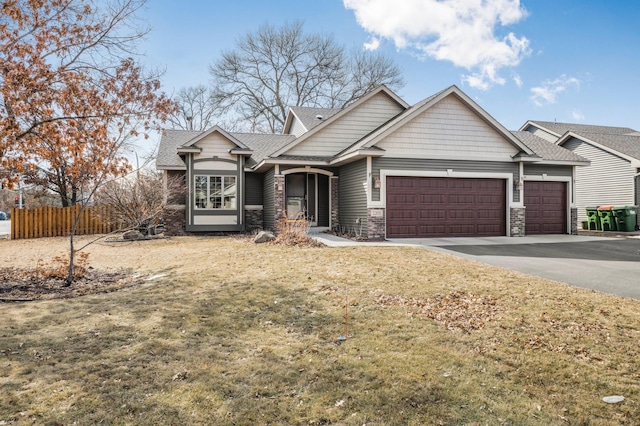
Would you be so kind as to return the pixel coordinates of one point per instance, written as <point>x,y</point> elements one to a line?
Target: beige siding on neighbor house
<point>542,134</point>
<point>607,181</point>
<point>448,130</point>
<point>296,128</point>
<point>348,129</point>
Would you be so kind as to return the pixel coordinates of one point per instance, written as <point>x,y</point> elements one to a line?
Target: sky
<point>575,61</point>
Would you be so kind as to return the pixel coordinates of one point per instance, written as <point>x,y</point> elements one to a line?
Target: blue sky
<point>565,60</point>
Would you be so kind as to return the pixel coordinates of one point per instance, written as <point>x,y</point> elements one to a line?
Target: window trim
<point>223,182</point>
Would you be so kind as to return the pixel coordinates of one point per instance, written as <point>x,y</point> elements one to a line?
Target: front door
<point>308,194</point>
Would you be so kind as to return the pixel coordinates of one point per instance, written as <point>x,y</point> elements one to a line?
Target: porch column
<point>333,193</point>
<point>278,198</point>
<point>574,221</point>
<point>517,221</point>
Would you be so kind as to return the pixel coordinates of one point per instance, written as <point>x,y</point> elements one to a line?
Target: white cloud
<point>373,45</point>
<point>517,80</point>
<point>460,31</point>
<point>577,115</point>
<point>548,92</point>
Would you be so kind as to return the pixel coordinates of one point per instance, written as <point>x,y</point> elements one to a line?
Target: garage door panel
<point>545,207</point>
<point>435,214</point>
<point>432,198</point>
<point>448,207</point>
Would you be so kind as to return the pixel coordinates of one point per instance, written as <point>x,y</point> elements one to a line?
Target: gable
<point>214,147</point>
<point>448,130</point>
<point>541,133</point>
<point>297,128</point>
<point>346,130</point>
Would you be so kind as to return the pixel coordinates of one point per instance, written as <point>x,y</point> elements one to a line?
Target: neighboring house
<point>379,168</point>
<point>614,153</point>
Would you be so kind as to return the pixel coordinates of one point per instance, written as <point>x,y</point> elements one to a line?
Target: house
<point>380,168</point>
<point>613,178</point>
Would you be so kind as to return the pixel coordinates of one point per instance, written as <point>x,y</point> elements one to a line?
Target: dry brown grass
<point>237,333</point>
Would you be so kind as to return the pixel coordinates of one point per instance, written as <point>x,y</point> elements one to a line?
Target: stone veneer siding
<point>253,219</point>
<point>517,221</point>
<point>279,199</point>
<point>175,220</point>
<point>334,194</point>
<point>376,224</point>
<point>574,221</point>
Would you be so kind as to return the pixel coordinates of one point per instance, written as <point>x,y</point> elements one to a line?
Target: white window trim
<point>224,178</point>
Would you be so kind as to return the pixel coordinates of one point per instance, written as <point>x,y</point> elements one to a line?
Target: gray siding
<point>268,212</point>
<point>608,180</point>
<point>443,165</point>
<point>449,129</point>
<point>254,187</point>
<point>343,132</point>
<point>551,170</point>
<point>352,197</point>
<point>542,134</point>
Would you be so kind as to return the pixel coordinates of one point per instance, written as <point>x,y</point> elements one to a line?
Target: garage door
<point>445,207</point>
<point>546,207</point>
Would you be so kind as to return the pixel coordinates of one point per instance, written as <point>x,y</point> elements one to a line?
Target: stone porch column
<point>376,224</point>
<point>334,195</point>
<point>574,221</point>
<point>517,221</point>
<point>279,198</point>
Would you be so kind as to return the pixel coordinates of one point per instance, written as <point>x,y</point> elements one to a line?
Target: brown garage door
<point>445,207</point>
<point>545,207</point>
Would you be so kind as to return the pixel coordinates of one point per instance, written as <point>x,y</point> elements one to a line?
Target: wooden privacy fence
<point>50,221</point>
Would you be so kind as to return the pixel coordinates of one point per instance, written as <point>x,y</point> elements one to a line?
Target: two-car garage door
<point>445,207</point>
<point>423,207</point>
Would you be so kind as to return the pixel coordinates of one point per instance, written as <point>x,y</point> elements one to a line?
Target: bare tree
<point>196,109</point>
<point>137,201</point>
<point>274,68</point>
<point>71,95</point>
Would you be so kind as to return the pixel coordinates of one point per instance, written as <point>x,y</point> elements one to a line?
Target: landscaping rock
<point>133,235</point>
<point>264,237</point>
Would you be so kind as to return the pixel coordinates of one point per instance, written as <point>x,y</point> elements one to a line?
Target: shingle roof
<point>628,144</point>
<point>547,150</point>
<point>168,150</point>
<point>262,144</point>
<point>562,128</point>
<point>308,115</point>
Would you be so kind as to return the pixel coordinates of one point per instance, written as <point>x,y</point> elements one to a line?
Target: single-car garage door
<point>445,207</point>
<point>545,207</point>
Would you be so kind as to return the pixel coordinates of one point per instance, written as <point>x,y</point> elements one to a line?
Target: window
<point>215,192</point>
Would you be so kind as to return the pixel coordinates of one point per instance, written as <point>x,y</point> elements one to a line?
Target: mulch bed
<point>23,285</point>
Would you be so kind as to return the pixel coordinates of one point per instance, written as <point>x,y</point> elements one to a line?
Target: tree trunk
<point>72,253</point>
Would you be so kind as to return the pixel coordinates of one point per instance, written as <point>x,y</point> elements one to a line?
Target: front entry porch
<point>307,192</point>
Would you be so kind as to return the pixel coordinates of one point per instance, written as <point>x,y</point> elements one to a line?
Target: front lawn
<point>232,333</point>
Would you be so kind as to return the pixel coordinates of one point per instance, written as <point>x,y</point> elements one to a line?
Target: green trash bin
<point>625,218</point>
<point>607,221</point>
<point>593,220</point>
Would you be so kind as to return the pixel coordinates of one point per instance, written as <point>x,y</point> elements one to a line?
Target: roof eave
<point>536,124</point>
<point>161,167</point>
<point>354,155</point>
<point>246,152</point>
<point>526,158</point>
<point>565,162</point>
<point>187,150</point>
<point>634,161</point>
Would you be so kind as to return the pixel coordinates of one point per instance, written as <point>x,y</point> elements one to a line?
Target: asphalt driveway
<point>611,265</point>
